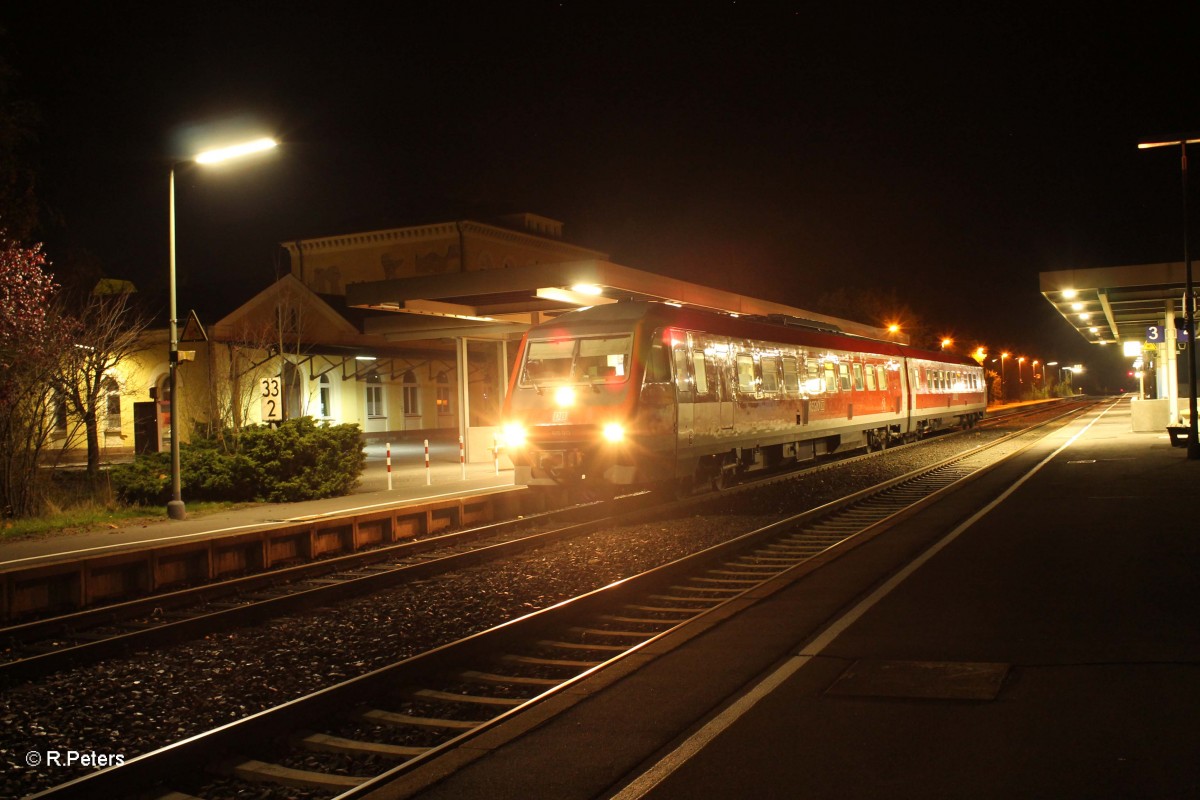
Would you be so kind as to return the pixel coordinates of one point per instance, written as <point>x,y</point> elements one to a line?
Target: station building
<point>409,333</point>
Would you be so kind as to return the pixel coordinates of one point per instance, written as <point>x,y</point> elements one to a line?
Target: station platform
<point>410,483</point>
<point>1044,647</point>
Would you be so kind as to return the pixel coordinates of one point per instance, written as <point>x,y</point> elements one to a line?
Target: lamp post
<point>1193,443</point>
<point>175,506</point>
<point>1020,380</point>
<point>1003,394</point>
<point>1057,372</point>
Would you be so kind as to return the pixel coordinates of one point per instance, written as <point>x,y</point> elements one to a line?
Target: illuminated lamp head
<point>613,432</point>
<point>564,396</point>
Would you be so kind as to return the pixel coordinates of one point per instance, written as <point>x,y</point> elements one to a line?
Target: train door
<point>726,401</point>
<point>686,394</point>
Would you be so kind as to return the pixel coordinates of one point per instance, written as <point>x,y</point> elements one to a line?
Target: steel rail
<point>681,592</point>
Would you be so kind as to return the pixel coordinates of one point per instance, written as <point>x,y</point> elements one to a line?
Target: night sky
<point>779,150</point>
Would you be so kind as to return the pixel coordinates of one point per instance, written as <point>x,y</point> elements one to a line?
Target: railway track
<point>45,645</point>
<point>413,711</point>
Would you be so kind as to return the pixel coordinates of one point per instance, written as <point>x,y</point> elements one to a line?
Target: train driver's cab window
<point>549,360</point>
<point>858,377</point>
<point>602,358</point>
<point>831,382</point>
<point>844,377</point>
<point>770,374</point>
<point>791,378</point>
<point>747,380</point>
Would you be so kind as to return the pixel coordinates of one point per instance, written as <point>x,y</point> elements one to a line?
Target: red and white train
<point>639,393</point>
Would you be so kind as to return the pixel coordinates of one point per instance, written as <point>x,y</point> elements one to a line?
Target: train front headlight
<point>613,432</point>
<point>514,435</point>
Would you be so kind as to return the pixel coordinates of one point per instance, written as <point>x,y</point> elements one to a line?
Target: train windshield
<point>594,359</point>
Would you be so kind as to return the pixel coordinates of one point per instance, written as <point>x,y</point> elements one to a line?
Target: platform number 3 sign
<point>272,410</point>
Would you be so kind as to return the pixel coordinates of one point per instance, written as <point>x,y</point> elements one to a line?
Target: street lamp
<point>1193,443</point>
<point>1057,372</point>
<point>175,507</point>
<point>1020,380</point>
<point>1003,394</point>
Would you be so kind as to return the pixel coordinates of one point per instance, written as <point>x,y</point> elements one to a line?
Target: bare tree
<point>108,333</point>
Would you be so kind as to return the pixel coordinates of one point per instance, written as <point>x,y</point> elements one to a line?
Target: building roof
<point>503,303</point>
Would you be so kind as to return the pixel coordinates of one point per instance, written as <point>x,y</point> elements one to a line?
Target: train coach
<point>641,393</point>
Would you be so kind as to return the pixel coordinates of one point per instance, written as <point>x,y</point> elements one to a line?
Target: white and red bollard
<point>462,459</point>
<point>389,465</point>
<point>428,477</point>
<point>496,453</point>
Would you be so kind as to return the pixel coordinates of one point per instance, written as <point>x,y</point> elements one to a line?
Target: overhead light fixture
<point>1069,294</point>
<point>1077,306</point>
<point>587,288</point>
<point>364,358</point>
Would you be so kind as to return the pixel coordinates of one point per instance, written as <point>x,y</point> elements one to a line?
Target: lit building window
<point>443,394</point>
<point>375,407</point>
<point>411,395</point>
<point>112,404</point>
<point>325,396</point>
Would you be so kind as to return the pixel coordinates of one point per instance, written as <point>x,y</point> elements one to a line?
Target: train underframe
<point>601,469</point>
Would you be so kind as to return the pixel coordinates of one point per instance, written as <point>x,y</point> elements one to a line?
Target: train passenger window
<point>831,383</point>
<point>770,374</point>
<point>791,379</point>
<point>747,382</point>
<point>683,378</point>
<point>881,373</point>
<point>699,369</point>
<point>844,377</point>
<point>870,378</point>
<point>858,378</point>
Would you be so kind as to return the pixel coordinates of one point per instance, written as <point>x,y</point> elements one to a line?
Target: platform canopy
<point>503,303</point>
<point>1116,304</point>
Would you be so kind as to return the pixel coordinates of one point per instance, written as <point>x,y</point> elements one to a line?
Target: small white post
<point>496,452</point>
<point>462,459</point>
<point>389,465</point>
<point>428,477</point>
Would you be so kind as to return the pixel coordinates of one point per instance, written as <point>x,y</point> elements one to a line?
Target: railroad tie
<point>479,700</point>
<point>520,680</point>
<point>392,718</point>
<point>324,743</point>
<point>615,648</point>
<point>535,661</point>
<point>262,772</point>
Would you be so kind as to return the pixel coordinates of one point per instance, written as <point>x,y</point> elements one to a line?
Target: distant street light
<point>1057,372</point>
<point>1020,380</point>
<point>1193,443</point>
<point>175,507</point>
<point>1003,395</point>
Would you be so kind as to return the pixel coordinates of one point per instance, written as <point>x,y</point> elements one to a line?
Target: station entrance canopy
<point>503,303</point>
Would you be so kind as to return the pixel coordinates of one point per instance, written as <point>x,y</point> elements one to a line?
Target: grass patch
<point>86,517</point>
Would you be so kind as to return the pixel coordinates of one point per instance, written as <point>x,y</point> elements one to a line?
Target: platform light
<point>244,149</point>
<point>1069,294</point>
<point>587,288</point>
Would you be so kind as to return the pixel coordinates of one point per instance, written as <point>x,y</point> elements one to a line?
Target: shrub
<point>299,460</point>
